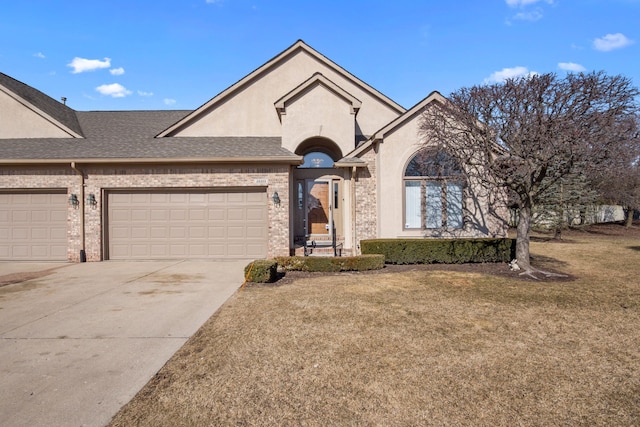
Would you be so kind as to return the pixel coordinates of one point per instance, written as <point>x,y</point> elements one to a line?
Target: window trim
<point>445,208</point>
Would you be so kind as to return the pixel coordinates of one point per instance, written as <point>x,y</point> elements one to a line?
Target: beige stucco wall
<point>100,178</point>
<point>251,111</point>
<point>318,112</point>
<point>18,121</point>
<point>395,152</point>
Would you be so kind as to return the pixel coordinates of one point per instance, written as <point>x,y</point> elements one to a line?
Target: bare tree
<point>566,202</point>
<point>619,181</point>
<point>526,134</point>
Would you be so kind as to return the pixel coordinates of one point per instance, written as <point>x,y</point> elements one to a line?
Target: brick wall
<point>366,200</point>
<point>99,178</point>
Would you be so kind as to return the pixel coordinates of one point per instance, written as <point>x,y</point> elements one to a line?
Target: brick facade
<point>97,179</point>
<point>366,199</point>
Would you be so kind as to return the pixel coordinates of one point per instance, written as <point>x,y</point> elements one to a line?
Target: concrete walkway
<point>80,342</point>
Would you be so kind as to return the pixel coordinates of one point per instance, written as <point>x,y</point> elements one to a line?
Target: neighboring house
<point>295,151</point>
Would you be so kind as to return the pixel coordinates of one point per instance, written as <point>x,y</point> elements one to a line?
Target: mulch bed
<point>493,269</point>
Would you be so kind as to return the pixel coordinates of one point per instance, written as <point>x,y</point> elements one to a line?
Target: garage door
<point>33,226</point>
<point>186,224</point>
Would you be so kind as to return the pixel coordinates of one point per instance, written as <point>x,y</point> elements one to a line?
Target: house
<point>299,150</point>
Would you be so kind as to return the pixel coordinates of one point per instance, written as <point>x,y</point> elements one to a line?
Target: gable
<point>318,108</point>
<point>28,113</point>
<point>406,124</point>
<point>247,108</point>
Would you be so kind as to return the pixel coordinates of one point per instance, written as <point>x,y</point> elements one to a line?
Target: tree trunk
<point>629,221</point>
<point>522,239</point>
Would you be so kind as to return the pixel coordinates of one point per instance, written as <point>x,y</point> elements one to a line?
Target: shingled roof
<point>127,136</point>
<point>45,103</point>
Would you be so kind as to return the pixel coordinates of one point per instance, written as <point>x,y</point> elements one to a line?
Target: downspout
<point>83,254</point>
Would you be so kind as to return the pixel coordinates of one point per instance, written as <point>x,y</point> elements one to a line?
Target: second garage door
<point>186,224</point>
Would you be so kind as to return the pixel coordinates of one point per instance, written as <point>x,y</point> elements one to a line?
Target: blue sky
<point>177,54</point>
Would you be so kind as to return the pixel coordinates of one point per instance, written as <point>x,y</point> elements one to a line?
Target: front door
<point>318,208</point>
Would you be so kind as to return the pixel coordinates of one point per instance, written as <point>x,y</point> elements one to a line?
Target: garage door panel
<point>158,233</point>
<point>197,233</point>
<point>216,232</point>
<point>254,250</point>
<point>178,215</point>
<point>235,232</point>
<point>257,232</point>
<point>236,250</point>
<point>159,214</point>
<point>134,233</point>
<point>121,215</point>
<point>20,233</point>
<point>20,251</point>
<point>20,216</point>
<point>197,214</point>
<point>137,215</point>
<point>217,214</point>
<point>187,224</point>
<point>254,214</point>
<point>58,234</point>
<point>58,216</point>
<point>216,198</point>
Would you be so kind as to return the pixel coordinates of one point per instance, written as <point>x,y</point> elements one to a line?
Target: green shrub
<point>332,264</point>
<point>261,271</point>
<point>444,251</point>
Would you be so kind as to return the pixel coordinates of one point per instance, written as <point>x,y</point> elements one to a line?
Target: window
<point>433,191</point>
<point>316,159</point>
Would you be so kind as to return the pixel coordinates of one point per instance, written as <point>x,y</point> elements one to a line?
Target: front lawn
<point>419,346</point>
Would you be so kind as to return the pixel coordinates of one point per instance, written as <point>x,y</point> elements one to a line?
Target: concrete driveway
<point>80,342</point>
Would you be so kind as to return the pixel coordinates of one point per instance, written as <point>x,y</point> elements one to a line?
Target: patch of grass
<point>419,347</point>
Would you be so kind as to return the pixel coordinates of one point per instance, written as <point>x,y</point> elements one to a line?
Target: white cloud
<point>509,73</point>
<point>213,1</point>
<point>522,3</point>
<point>611,42</point>
<point>532,16</point>
<point>115,90</point>
<point>39,55</point>
<point>80,65</point>
<point>168,101</point>
<point>117,71</point>
<point>571,66</point>
<point>143,93</point>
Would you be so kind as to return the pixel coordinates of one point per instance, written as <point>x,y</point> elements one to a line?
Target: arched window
<point>317,159</point>
<point>433,191</point>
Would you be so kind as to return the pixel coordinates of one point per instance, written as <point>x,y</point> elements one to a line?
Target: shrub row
<point>445,251</point>
<point>266,270</point>
<point>332,264</point>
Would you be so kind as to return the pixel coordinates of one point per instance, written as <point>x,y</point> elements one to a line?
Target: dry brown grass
<point>418,347</point>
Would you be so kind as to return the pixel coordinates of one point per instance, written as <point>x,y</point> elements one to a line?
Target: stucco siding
<point>318,112</point>
<point>18,121</point>
<point>399,146</point>
<point>250,110</point>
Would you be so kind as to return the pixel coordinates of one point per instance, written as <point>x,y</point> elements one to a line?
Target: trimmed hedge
<point>444,251</point>
<point>332,264</point>
<point>261,271</point>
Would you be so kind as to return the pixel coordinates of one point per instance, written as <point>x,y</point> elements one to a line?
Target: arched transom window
<point>433,191</point>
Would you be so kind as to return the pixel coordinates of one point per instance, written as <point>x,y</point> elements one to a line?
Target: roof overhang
<point>298,160</point>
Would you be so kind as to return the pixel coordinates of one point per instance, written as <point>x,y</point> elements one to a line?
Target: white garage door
<point>186,224</point>
<point>33,226</point>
